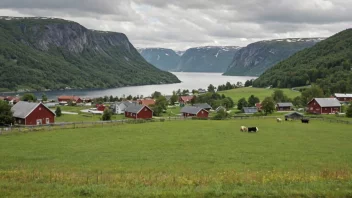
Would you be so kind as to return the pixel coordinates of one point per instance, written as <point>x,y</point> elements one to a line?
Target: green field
<point>180,158</point>
<point>261,93</point>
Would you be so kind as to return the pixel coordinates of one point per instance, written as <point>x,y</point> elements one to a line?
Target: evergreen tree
<point>58,111</point>
<point>5,113</point>
<point>252,100</point>
<point>44,97</point>
<point>211,88</point>
<point>242,103</point>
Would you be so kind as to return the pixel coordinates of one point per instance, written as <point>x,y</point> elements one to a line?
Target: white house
<point>120,107</point>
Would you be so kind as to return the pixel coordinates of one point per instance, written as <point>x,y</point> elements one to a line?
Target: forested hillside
<point>328,64</point>
<point>43,53</point>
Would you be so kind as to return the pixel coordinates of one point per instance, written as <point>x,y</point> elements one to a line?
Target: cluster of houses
<point>26,113</point>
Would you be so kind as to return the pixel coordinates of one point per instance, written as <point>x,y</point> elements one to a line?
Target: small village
<point>34,113</point>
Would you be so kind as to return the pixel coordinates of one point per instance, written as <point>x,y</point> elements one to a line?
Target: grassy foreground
<point>180,158</point>
<point>261,93</point>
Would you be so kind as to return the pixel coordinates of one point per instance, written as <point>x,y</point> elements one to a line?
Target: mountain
<point>164,59</point>
<point>180,52</point>
<point>328,64</point>
<point>48,53</point>
<point>206,59</point>
<point>257,57</point>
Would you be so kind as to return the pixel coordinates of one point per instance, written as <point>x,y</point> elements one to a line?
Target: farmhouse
<point>138,112</point>
<point>66,99</point>
<point>324,106</point>
<point>284,106</point>
<point>249,110</point>
<point>344,98</point>
<point>220,108</point>
<point>294,116</point>
<point>185,99</point>
<point>120,107</point>
<point>190,111</point>
<point>26,113</point>
<point>205,106</point>
<point>259,106</point>
<point>11,100</point>
<point>146,102</point>
<point>100,107</point>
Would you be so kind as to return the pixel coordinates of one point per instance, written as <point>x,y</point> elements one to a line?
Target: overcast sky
<point>191,23</point>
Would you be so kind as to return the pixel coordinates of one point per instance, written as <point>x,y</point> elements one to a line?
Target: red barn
<point>343,97</point>
<point>26,113</point>
<point>65,99</point>
<point>324,106</point>
<point>138,112</point>
<point>190,111</point>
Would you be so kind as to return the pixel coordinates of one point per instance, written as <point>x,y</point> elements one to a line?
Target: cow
<point>253,129</point>
<point>305,120</point>
<point>278,119</point>
<point>244,129</point>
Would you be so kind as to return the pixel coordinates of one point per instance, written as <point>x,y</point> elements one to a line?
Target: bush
<point>107,115</point>
<point>221,115</point>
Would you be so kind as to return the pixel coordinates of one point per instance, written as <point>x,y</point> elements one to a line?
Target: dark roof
<point>294,113</point>
<point>202,105</point>
<point>127,103</point>
<point>135,108</point>
<point>250,109</point>
<point>191,109</point>
<point>23,109</point>
<point>285,104</point>
<point>327,102</point>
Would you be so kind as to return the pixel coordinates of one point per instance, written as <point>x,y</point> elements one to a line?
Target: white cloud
<point>181,24</point>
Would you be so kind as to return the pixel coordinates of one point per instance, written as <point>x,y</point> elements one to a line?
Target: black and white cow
<point>253,129</point>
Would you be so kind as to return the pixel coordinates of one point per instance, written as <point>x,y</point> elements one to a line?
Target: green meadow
<point>180,159</point>
<point>261,93</point>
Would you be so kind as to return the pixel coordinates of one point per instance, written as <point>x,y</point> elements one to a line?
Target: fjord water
<point>190,80</point>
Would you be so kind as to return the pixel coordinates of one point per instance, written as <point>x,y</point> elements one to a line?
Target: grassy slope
<point>261,93</point>
<point>197,158</point>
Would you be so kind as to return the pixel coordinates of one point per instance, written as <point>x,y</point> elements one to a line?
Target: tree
<point>129,97</point>
<point>156,95</point>
<point>44,97</point>
<point>185,92</point>
<point>29,97</point>
<point>106,99</point>
<point>242,103</point>
<point>107,115</point>
<point>5,113</point>
<point>211,88</point>
<point>162,102</point>
<point>58,111</point>
<point>310,93</point>
<point>268,105</point>
<point>111,98</point>
<point>248,83</point>
<point>227,103</point>
<point>279,96</point>
<point>349,111</point>
<point>252,100</point>
<point>173,99</point>
<point>221,115</point>
<point>297,101</point>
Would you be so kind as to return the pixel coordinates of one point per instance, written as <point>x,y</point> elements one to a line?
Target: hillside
<point>257,57</point>
<point>328,63</point>
<point>164,59</point>
<point>47,53</point>
<point>206,59</point>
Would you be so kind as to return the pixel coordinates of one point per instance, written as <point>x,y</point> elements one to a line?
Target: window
<point>145,109</point>
<point>314,103</point>
<point>39,121</point>
<point>311,108</point>
<point>40,108</point>
<point>47,121</point>
<point>326,108</point>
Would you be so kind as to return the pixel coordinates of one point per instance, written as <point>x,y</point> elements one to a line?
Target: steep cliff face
<point>164,59</point>
<point>43,53</point>
<point>207,59</point>
<point>257,57</point>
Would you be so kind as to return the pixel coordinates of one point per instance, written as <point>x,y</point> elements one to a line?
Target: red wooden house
<point>190,111</point>
<point>259,106</point>
<point>66,99</point>
<point>324,106</point>
<point>346,98</point>
<point>185,99</point>
<point>100,107</point>
<point>26,113</point>
<point>139,112</point>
